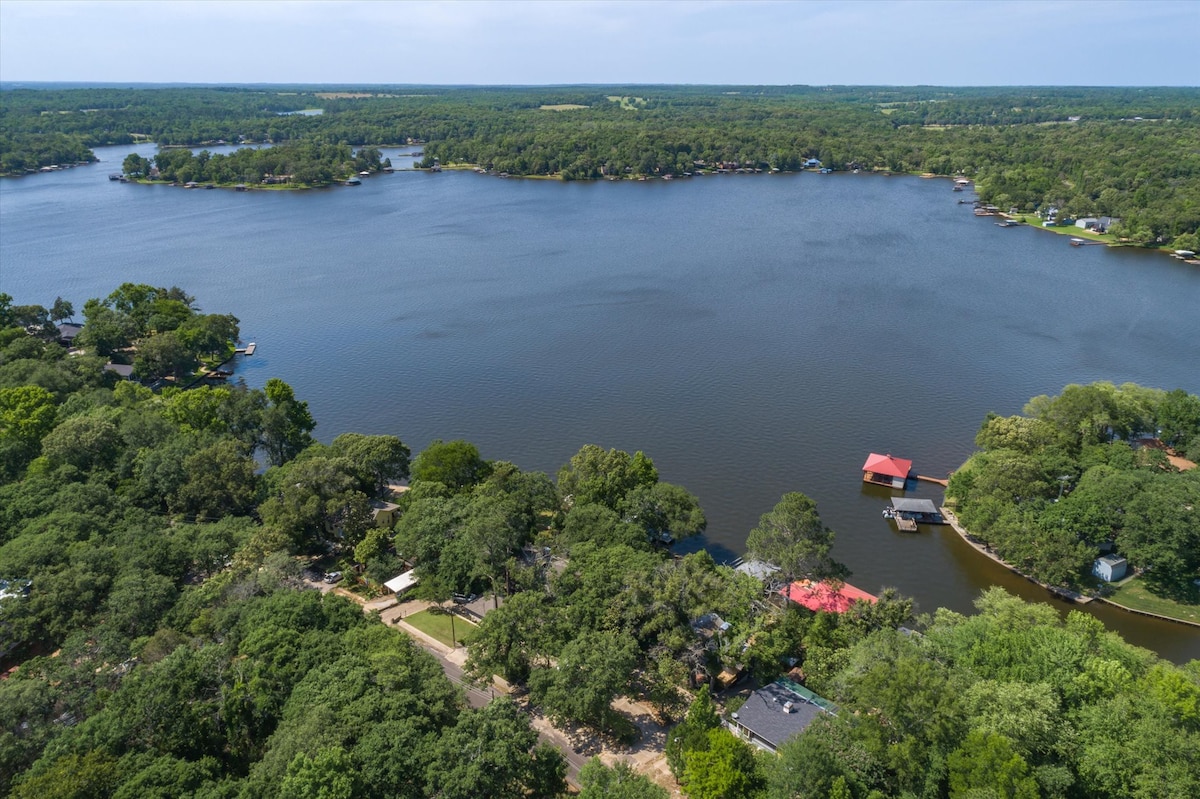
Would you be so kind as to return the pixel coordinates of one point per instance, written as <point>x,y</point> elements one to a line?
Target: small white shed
<point>1110,568</point>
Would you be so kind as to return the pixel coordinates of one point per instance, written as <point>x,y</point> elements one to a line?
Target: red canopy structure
<point>886,470</point>
<point>826,595</point>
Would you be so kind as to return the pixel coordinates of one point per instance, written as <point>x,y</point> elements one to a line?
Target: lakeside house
<point>828,595</point>
<point>886,470</point>
<point>384,513</point>
<point>1097,224</point>
<point>775,713</point>
<point>755,568</point>
<point>67,331</point>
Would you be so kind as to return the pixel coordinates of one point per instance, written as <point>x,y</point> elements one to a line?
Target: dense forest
<point>1133,154</point>
<point>1090,469</point>
<point>161,638</point>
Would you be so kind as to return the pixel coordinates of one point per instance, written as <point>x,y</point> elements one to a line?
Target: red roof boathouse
<point>885,470</point>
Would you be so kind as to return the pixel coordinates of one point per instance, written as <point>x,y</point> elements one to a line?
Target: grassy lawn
<point>1134,595</point>
<point>1066,230</point>
<point>628,103</point>
<point>437,625</point>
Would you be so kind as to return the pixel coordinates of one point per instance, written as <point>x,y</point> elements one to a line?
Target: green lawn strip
<point>437,625</point>
<point>1134,595</point>
<point>1066,230</point>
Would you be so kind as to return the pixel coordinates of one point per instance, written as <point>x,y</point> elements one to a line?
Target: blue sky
<point>951,42</point>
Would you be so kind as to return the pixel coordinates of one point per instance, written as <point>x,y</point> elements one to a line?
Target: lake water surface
<point>753,334</point>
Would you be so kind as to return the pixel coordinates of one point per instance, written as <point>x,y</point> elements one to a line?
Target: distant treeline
<point>1129,153</point>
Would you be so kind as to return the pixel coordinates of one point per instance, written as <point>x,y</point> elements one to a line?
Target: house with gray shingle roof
<point>777,712</point>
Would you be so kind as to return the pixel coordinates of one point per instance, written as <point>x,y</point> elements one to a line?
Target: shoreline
<point>1151,614</point>
<point>983,549</point>
<point>1061,593</point>
<point>1023,219</point>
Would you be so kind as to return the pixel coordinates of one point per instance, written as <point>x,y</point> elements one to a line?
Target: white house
<point>1110,568</point>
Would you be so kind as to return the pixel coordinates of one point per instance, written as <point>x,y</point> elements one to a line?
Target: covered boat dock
<point>908,513</point>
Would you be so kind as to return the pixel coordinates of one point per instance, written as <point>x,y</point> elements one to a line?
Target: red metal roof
<point>886,464</point>
<point>825,595</point>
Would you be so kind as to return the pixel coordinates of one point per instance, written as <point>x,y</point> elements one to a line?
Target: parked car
<point>333,577</point>
<point>465,599</point>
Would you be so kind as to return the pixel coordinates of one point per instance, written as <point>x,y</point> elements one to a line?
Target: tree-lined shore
<point>160,638</point>
<point>1125,153</point>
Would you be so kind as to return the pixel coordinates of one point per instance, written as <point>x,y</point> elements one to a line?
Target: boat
<point>1008,223</point>
<point>353,181</point>
<point>1077,242</point>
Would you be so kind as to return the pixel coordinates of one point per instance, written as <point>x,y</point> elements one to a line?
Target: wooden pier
<point>905,525</point>
<point>937,480</point>
<point>246,350</point>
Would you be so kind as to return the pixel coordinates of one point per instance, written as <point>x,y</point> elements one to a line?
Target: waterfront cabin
<point>757,569</point>
<point>776,713</point>
<point>830,596</point>
<point>885,470</point>
<point>67,331</point>
<point>1110,568</point>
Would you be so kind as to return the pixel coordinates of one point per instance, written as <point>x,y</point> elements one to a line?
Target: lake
<point>753,334</point>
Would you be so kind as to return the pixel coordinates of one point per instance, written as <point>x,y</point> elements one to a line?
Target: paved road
<point>391,614</point>
<point>479,697</point>
<point>476,696</point>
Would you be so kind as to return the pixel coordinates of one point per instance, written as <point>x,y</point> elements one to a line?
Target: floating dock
<point>246,350</point>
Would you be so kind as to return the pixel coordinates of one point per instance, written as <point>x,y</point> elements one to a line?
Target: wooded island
<point>1130,154</point>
